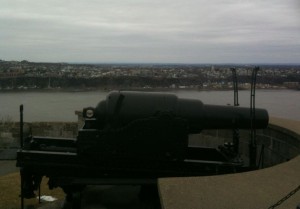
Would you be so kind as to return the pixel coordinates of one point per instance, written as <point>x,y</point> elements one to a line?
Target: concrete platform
<point>249,190</point>
<point>291,125</point>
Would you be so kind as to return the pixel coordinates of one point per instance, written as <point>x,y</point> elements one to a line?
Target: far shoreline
<point>69,90</point>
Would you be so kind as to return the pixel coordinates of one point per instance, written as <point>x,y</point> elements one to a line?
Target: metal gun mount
<point>134,138</point>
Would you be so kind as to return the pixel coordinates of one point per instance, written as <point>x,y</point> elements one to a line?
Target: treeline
<point>131,82</point>
<point>102,82</point>
<point>265,79</point>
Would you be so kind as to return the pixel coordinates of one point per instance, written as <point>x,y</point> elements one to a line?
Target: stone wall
<point>274,144</point>
<point>277,144</point>
<point>280,144</point>
<point>52,129</point>
<point>10,134</point>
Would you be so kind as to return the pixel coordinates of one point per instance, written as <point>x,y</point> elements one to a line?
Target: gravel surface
<point>112,197</point>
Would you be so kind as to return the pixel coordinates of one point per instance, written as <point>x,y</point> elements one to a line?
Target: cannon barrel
<point>122,107</point>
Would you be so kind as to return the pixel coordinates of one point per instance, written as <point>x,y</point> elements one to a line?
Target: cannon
<point>134,138</point>
<point>154,126</point>
<point>121,108</point>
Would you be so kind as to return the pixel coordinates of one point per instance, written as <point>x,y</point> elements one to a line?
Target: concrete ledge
<point>290,125</point>
<point>256,189</point>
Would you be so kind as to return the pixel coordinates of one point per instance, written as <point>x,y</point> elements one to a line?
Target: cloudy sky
<point>152,31</point>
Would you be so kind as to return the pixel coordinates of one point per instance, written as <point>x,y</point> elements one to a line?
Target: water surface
<point>61,106</point>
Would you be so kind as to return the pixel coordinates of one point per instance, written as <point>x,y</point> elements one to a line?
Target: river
<point>61,106</point>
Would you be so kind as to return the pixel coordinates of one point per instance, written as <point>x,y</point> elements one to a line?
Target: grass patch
<point>10,191</point>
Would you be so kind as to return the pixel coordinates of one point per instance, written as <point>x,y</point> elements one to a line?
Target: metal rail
<point>235,132</point>
<point>252,144</point>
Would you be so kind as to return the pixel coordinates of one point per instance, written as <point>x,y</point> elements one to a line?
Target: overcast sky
<point>152,31</point>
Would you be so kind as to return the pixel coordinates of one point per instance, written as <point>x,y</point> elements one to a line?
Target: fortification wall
<point>10,134</point>
<point>275,145</point>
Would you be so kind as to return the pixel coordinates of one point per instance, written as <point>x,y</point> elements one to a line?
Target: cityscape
<point>26,75</point>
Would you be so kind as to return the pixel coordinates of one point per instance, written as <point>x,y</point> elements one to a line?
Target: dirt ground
<point>10,189</point>
<point>106,197</point>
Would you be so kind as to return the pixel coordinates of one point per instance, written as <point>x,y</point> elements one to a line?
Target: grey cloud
<point>150,31</point>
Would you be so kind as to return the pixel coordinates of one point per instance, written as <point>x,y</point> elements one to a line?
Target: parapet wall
<point>278,143</point>
<point>10,134</point>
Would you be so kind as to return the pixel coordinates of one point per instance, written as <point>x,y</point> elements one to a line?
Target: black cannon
<point>154,126</point>
<point>134,138</point>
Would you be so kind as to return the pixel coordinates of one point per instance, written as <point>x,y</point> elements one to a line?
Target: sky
<point>150,31</point>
